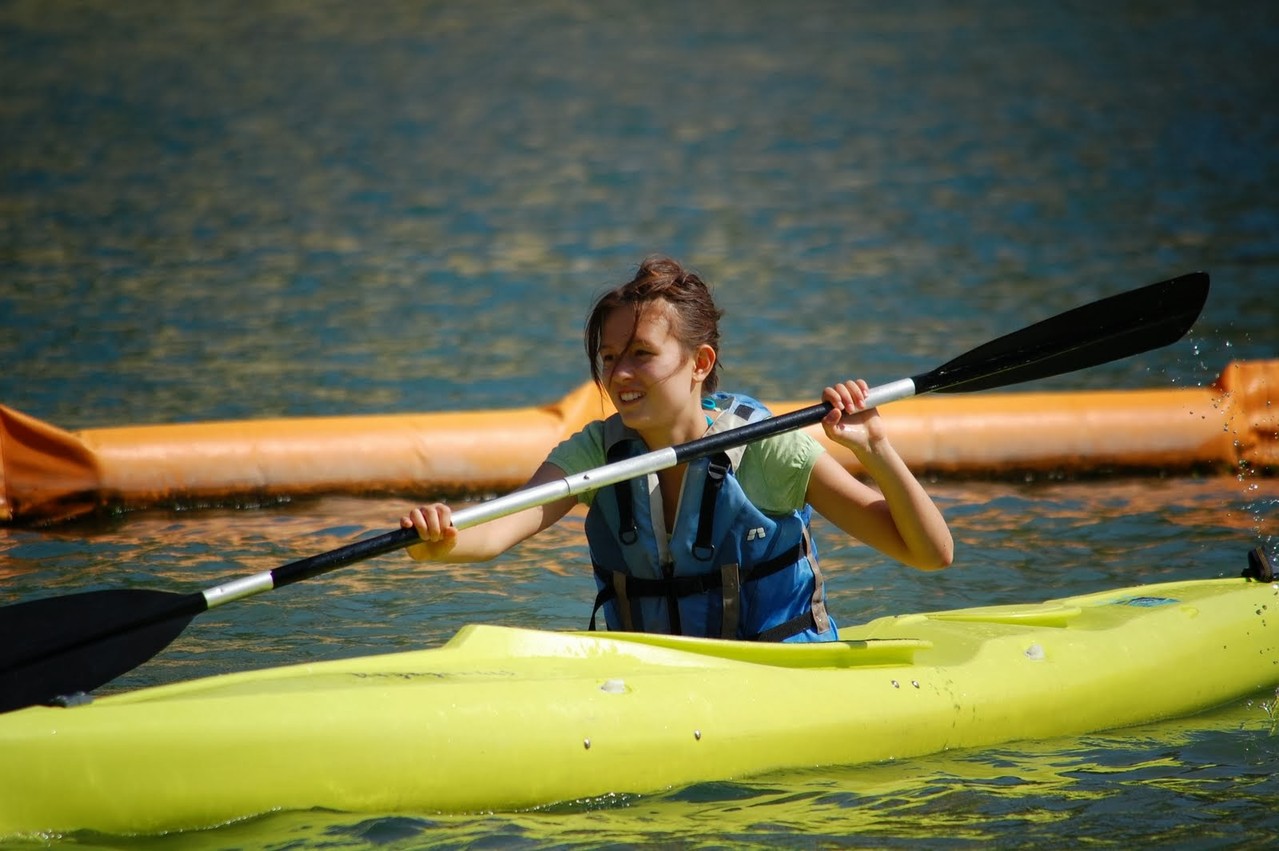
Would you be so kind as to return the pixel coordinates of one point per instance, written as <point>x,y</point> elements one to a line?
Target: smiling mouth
<point>630,396</point>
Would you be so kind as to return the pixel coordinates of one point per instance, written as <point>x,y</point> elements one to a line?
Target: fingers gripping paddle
<point>60,646</point>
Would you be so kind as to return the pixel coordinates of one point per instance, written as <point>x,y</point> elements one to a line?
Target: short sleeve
<point>581,452</point>
<point>775,471</point>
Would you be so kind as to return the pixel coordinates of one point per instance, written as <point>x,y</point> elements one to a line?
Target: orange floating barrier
<point>1229,425</point>
<point>49,474</point>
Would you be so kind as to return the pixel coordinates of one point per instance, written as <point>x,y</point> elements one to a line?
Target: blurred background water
<point>223,210</point>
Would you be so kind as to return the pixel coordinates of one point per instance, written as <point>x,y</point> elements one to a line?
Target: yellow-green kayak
<point>501,719</point>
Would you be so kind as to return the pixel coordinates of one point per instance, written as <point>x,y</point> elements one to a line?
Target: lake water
<point>219,210</point>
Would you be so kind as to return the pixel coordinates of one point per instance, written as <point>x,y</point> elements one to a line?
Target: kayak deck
<point>501,718</point>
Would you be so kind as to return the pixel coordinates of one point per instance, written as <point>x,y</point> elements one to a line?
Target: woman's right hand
<point>434,524</point>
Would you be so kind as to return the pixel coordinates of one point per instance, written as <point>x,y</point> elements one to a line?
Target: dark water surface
<point>224,210</point>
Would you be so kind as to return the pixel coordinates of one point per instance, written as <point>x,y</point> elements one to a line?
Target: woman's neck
<point>690,427</point>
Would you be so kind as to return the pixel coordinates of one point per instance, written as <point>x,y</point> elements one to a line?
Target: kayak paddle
<point>59,647</point>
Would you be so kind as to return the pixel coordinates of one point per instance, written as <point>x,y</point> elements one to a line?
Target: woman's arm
<point>900,519</point>
<point>441,542</point>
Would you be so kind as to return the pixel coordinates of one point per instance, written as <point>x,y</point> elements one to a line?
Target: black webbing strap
<point>717,469</point>
<point>627,531</point>
<point>794,626</point>
<point>672,598</point>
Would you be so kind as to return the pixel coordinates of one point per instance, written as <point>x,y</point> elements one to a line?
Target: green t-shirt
<point>773,474</point>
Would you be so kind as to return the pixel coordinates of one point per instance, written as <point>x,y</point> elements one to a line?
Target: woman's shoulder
<point>794,449</point>
<point>786,445</point>
<point>773,471</point>
<point>581,450</point>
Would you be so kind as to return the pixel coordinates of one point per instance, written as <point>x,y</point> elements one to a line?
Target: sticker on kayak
<point>1146,602</point>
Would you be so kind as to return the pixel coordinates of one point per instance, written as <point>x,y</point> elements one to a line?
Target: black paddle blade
<point>1116,327</point>
<point>61,646</point>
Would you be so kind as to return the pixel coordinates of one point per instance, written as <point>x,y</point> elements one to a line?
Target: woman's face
<point>652,379</point>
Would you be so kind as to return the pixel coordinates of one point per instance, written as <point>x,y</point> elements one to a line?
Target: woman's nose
<point>623,367</point>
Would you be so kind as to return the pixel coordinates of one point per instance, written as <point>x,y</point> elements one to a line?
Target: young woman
<point>719,547</point>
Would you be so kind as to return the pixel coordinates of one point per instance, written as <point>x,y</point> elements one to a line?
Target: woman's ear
<point>703,362</point>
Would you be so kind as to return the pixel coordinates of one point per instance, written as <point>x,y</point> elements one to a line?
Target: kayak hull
<point>505,719</point>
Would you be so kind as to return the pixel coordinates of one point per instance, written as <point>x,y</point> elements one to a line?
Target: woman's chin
<point>631,419</point>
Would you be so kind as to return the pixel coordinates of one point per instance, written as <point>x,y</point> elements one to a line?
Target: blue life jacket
<point>730,570</point>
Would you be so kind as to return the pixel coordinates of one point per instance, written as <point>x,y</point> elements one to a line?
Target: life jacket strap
<point>624,588</point>
<point>794,626</point>
<point>717,469</point>
<point>815,617</point>
<point>731,582</point>
<point>821,618</point>
<point>627,531</point>
<point>623,603</point>
<point>672,599</point>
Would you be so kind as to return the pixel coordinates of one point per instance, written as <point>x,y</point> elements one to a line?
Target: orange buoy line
<point>49,474</point>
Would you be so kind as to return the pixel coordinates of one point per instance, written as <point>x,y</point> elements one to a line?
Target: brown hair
<point>660,278</point>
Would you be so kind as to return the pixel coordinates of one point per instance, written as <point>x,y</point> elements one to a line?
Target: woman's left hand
<point>849,422</point>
